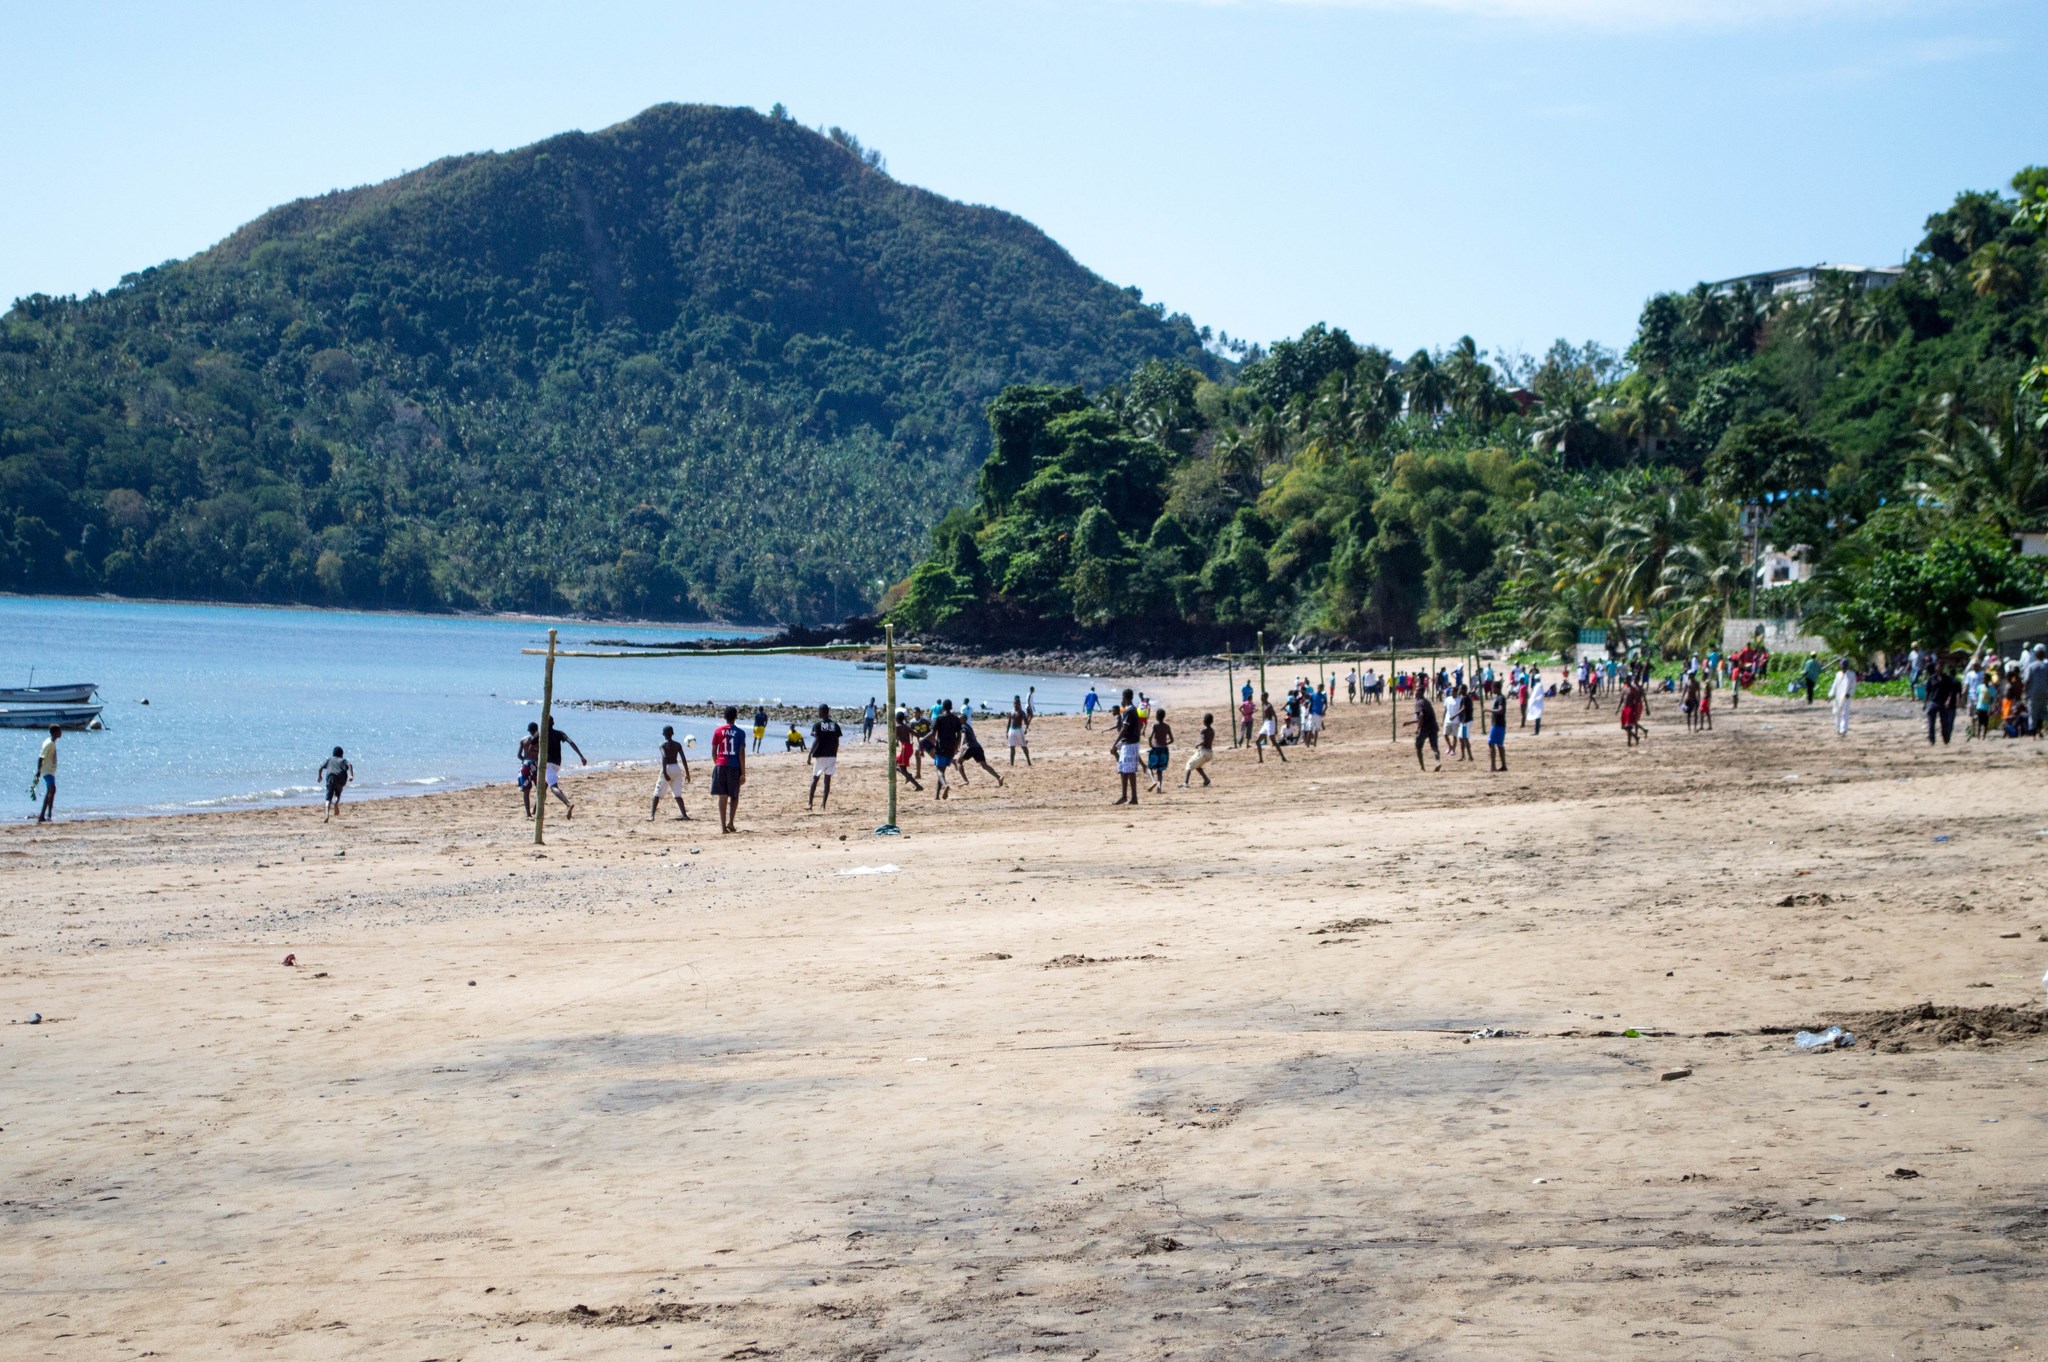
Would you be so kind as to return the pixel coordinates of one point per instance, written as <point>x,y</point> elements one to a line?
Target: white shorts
<point>1127,759</point>
<point>1016,737</point>
<point>1312,724</point>
<point>1266,729</point>
<point>670,781</point>
<point>554,773</point>
<point>824,766</point>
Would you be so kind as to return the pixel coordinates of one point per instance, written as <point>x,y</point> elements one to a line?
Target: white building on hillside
<point>1801,280</point>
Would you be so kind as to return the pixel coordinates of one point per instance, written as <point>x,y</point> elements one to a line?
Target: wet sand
<point>1197,1080</point>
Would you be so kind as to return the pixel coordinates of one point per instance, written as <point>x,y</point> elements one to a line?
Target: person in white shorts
<point>1205,748</point>
<point>1016,730</point>
<point>675,773</point>
<point>553,770</point>
<point>824,752</point>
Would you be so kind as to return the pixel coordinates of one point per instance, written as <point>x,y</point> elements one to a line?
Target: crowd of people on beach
<point>1445,704</point>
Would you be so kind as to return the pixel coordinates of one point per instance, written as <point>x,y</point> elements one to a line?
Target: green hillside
<point>704,362</point>
<point>1893,440</point>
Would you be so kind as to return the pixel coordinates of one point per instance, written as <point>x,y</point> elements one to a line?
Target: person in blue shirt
<point>1088,704</point>
<point>1312,723</point>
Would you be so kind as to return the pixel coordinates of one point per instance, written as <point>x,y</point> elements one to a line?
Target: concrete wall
<point>1780,635</point>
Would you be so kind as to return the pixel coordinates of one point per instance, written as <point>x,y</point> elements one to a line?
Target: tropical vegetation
<point>1888,435</point>
<point>706,362</point>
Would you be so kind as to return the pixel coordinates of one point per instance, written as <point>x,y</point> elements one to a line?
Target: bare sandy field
<point>1050,1077</point>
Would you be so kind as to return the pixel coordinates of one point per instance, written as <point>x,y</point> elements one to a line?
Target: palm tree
<point>1995,272</point>
<point>1268,436</point>
<point>1564,425</point>
<point>1427,388</point>
<point>1996,468</point>
<point>1641,413</point>
<point>1700,577</point>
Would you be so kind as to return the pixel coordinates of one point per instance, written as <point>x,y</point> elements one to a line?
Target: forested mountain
<point>703,362</point>
<point>1890,438</point>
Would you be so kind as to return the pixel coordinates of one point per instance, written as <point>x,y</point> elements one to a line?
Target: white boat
<point>77,693</point>
<point>912,673</point>
<point>42,716</point>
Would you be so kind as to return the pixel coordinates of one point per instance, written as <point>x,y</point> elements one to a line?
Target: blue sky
<point>1410,169</point>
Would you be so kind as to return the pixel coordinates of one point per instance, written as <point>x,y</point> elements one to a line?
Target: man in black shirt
<point>556,737</point>
<point>1424,724</point>
<point>1943,694</point>
<point>945,745</point>
<point>825,752</point>
<point>1130,732</point>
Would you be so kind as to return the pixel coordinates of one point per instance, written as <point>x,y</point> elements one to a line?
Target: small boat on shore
<point>78,693</point>
<point>912,673</point>
<point>42,716</point>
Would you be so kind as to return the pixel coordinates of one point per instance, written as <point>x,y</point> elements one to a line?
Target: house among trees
<point>1801,280</point>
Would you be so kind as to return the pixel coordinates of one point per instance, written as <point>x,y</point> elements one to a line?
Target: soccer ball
<point>690,741</point>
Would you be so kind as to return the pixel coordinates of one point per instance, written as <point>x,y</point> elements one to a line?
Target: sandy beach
<point>1326,1061</point>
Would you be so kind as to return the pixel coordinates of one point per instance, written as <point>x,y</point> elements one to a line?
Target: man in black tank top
<point>824,752</point>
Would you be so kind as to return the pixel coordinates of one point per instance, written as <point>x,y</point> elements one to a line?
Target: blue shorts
<point>50,784</point>
<point>1497,736</point>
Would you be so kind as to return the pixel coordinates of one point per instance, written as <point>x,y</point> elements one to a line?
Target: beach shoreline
<point>1336,1057</point>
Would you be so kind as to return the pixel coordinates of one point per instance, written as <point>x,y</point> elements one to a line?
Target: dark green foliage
<point>1334,493</point>
<point>703,362</point>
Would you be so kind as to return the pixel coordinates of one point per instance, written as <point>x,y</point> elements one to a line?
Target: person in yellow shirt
<point>46,776</point>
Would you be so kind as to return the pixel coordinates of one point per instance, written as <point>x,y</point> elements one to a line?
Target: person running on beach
<point>945,745</point>
<point>1205,749</point>
<point>1088,704</point>
<point>729,768</point>
<point>867,721</point>
<point>824,753</point>
<point>673,772</point>
<point>334,775</point>
<point>971,750</point>
<point>1016,730</point>
<point>529,757</point>
<point>45,778</point>
<point>1269,730</point>
<point>556,737</point>
<point>1497,733</point>
<point>1424,724</point>
<point>906,747</point>
<point>760,725</point>
<point>1160,752</point>
<point>1130,732</point>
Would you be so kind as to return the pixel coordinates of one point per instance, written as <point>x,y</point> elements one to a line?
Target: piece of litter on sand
<point>868,870</point>
<point>1942,838</point>
<point>1838,1219</point>
<point>35,1019</point>
<point>1834,1038</point>
<point>1537,1182</point>
<point>1672,1075</point>
<point>918,1059</point>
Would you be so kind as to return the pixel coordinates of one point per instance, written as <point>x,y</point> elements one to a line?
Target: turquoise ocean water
<point>245,703</point>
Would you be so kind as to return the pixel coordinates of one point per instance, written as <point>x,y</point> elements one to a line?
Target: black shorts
<point>725,780</point>
<point>334,789</point>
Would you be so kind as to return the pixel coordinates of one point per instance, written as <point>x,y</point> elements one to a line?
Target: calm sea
<point>243,704</point>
